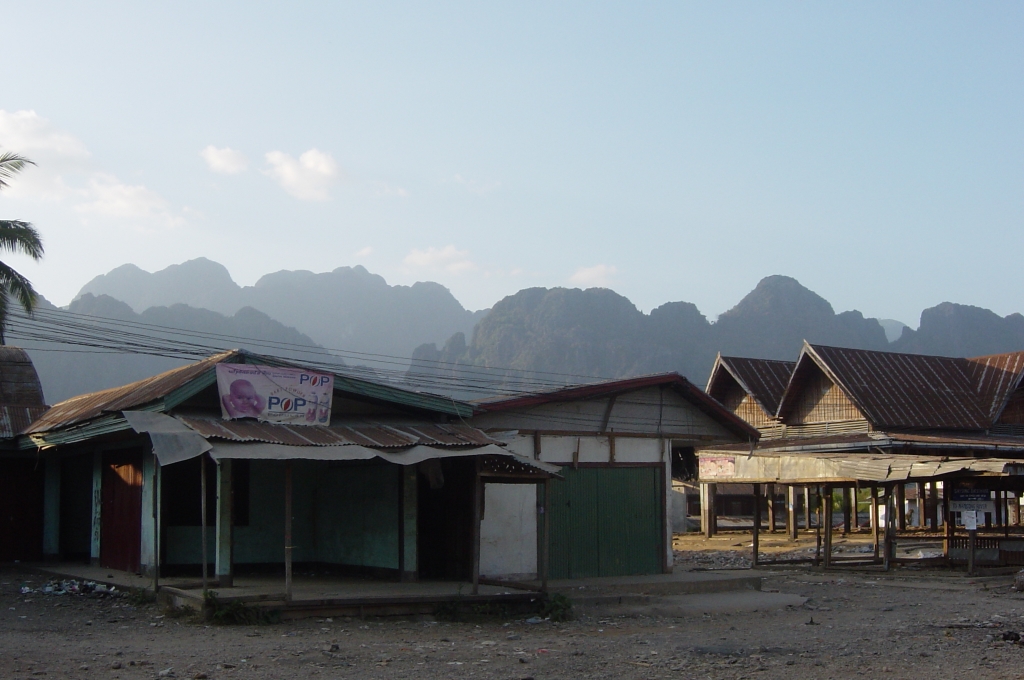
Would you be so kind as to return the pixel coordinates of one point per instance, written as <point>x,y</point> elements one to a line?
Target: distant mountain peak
<point>777,294</point>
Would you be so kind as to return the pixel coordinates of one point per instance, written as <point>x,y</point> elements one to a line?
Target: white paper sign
<point>970,520</point>
<point>275,395</point>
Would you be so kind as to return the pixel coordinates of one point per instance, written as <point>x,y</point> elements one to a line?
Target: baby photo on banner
<point>289,396</point>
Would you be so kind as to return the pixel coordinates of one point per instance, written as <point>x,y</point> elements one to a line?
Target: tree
<point>16,236</point>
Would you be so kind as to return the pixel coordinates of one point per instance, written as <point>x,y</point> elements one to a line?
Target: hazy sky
<point>874,151</point>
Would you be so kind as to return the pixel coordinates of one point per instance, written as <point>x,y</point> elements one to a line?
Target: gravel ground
<point>910,626</point>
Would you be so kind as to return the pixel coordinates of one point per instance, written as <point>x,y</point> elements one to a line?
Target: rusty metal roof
<point>127,397</point>
<point>995,378</point>
<point>763,379</point>
<point>15,419</point>
<point>893,390</point>
<point>359,433</point>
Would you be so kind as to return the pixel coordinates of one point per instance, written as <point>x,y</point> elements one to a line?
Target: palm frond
<point>13,283</point>
<point>20,237</point>
<point>10,165</point>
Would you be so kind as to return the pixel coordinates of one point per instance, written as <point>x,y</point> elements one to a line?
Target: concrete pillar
<point>807,508</point>
<point>410,563</point>
<point>224,560</point>
<point>148,557</point>
<point>97,504</point>
<point>708,520</point>
<point>51,509</point>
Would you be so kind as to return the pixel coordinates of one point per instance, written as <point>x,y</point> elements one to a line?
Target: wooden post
<point>998,507</point>
<point>947,520</point>
<point>933,506</point>
<point>817,530</point>
<point>476,527</point>
<point>709,519</point>
<point>827,515</point>
<point>156,525</point>
<point>891,514</point>
<point>807,508</point>
<point>546,546</point>
<point>874,519</point>
<point>901,506</point>
<point>791,511</point>
<point>972,541</point>
<point>770,494</point>
<point>202,521</point>
<point>922,493</point>
<point>847,524</point>
<point>757,522</point>
<point>288,531</point>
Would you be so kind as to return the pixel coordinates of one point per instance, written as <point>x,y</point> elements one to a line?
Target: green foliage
<point>139,596</point>
<point>557,607</point>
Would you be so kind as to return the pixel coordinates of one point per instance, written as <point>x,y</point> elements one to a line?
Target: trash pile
<point>70,587</point>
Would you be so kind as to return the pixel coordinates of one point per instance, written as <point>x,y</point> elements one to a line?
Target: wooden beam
<point>874,518</point>
<point>608,413</point>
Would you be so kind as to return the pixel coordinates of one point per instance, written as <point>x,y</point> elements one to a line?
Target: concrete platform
<point>679,582</point>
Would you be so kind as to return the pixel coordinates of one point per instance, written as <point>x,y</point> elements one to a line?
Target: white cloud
<point>224,161</point>
<point>308,178</point>
<point>385,190</point>
<point>109,197</point>
<point>65,174</point>
<point>365,252</point>
<point>599,275</point>
<point>449,259</point>
<point>479,188</point>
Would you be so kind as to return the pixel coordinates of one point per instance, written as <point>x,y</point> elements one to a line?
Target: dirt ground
<point>904,625</point>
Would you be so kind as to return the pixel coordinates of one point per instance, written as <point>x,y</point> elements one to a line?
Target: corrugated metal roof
<point>151,390</point>
<point>359,433</point>
<point>15,419</point>
<point>995,378</point>
<point>606,388</point>
<point>896,390</point>
<point>868,442</point>
<point>126,397</point>
<point>763,379</point>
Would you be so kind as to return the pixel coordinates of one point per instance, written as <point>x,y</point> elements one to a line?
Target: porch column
<point>807,508</point>
<point>932,505</point>
<point>847,524</point>
<point>223,557</point>
<point>477,498</point>
<point>149,555</point>
<point>288,531</point>
<point>545,546</point>
<point>947,519</point>
<point>827,521</point>
<point>874,518</point>
<point>901,507</point>
<point>921,491</point>
<point>707,509</point>
<point>51,509</point>
<point>769,490</point>
<point>756,532</point>
<point>97,505</point>
<point>410,563</point>
<point>791,511</point>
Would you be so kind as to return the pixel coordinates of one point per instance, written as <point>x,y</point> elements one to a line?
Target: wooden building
<point>851,418</point>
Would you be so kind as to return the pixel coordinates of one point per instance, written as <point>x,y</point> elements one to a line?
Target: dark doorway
<point>76,507</point>
<point>121,512</point>
<point>21,510</point>
<point>445,519</point>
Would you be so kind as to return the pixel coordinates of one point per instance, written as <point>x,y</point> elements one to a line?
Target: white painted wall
<point>508,532</point>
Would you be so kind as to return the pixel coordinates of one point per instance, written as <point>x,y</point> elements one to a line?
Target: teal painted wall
<point>343,514</point>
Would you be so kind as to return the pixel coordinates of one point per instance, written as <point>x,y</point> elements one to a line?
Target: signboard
<point>972,506</point>
<point>717,467</point>
<point>970,499</point>
<point>290,396</point>
<point>970,520</point>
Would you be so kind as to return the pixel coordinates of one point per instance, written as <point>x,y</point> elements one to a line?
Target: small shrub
<point>139,596</point>
<point>557,608</point>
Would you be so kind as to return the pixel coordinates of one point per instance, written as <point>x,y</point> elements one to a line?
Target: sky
<point>669,151</point>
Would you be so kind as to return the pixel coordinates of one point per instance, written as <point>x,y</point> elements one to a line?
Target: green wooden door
<point>606,522</point>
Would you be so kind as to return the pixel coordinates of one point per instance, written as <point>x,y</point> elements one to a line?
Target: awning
<point>783,468</point>
<point>173,441</point>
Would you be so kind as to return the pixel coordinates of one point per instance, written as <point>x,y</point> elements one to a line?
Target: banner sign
<point>717,467</point>
<point>970,499</point>
<point>290,396</point>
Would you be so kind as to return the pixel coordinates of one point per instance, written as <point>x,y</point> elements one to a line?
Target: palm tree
<point>16,236</point>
